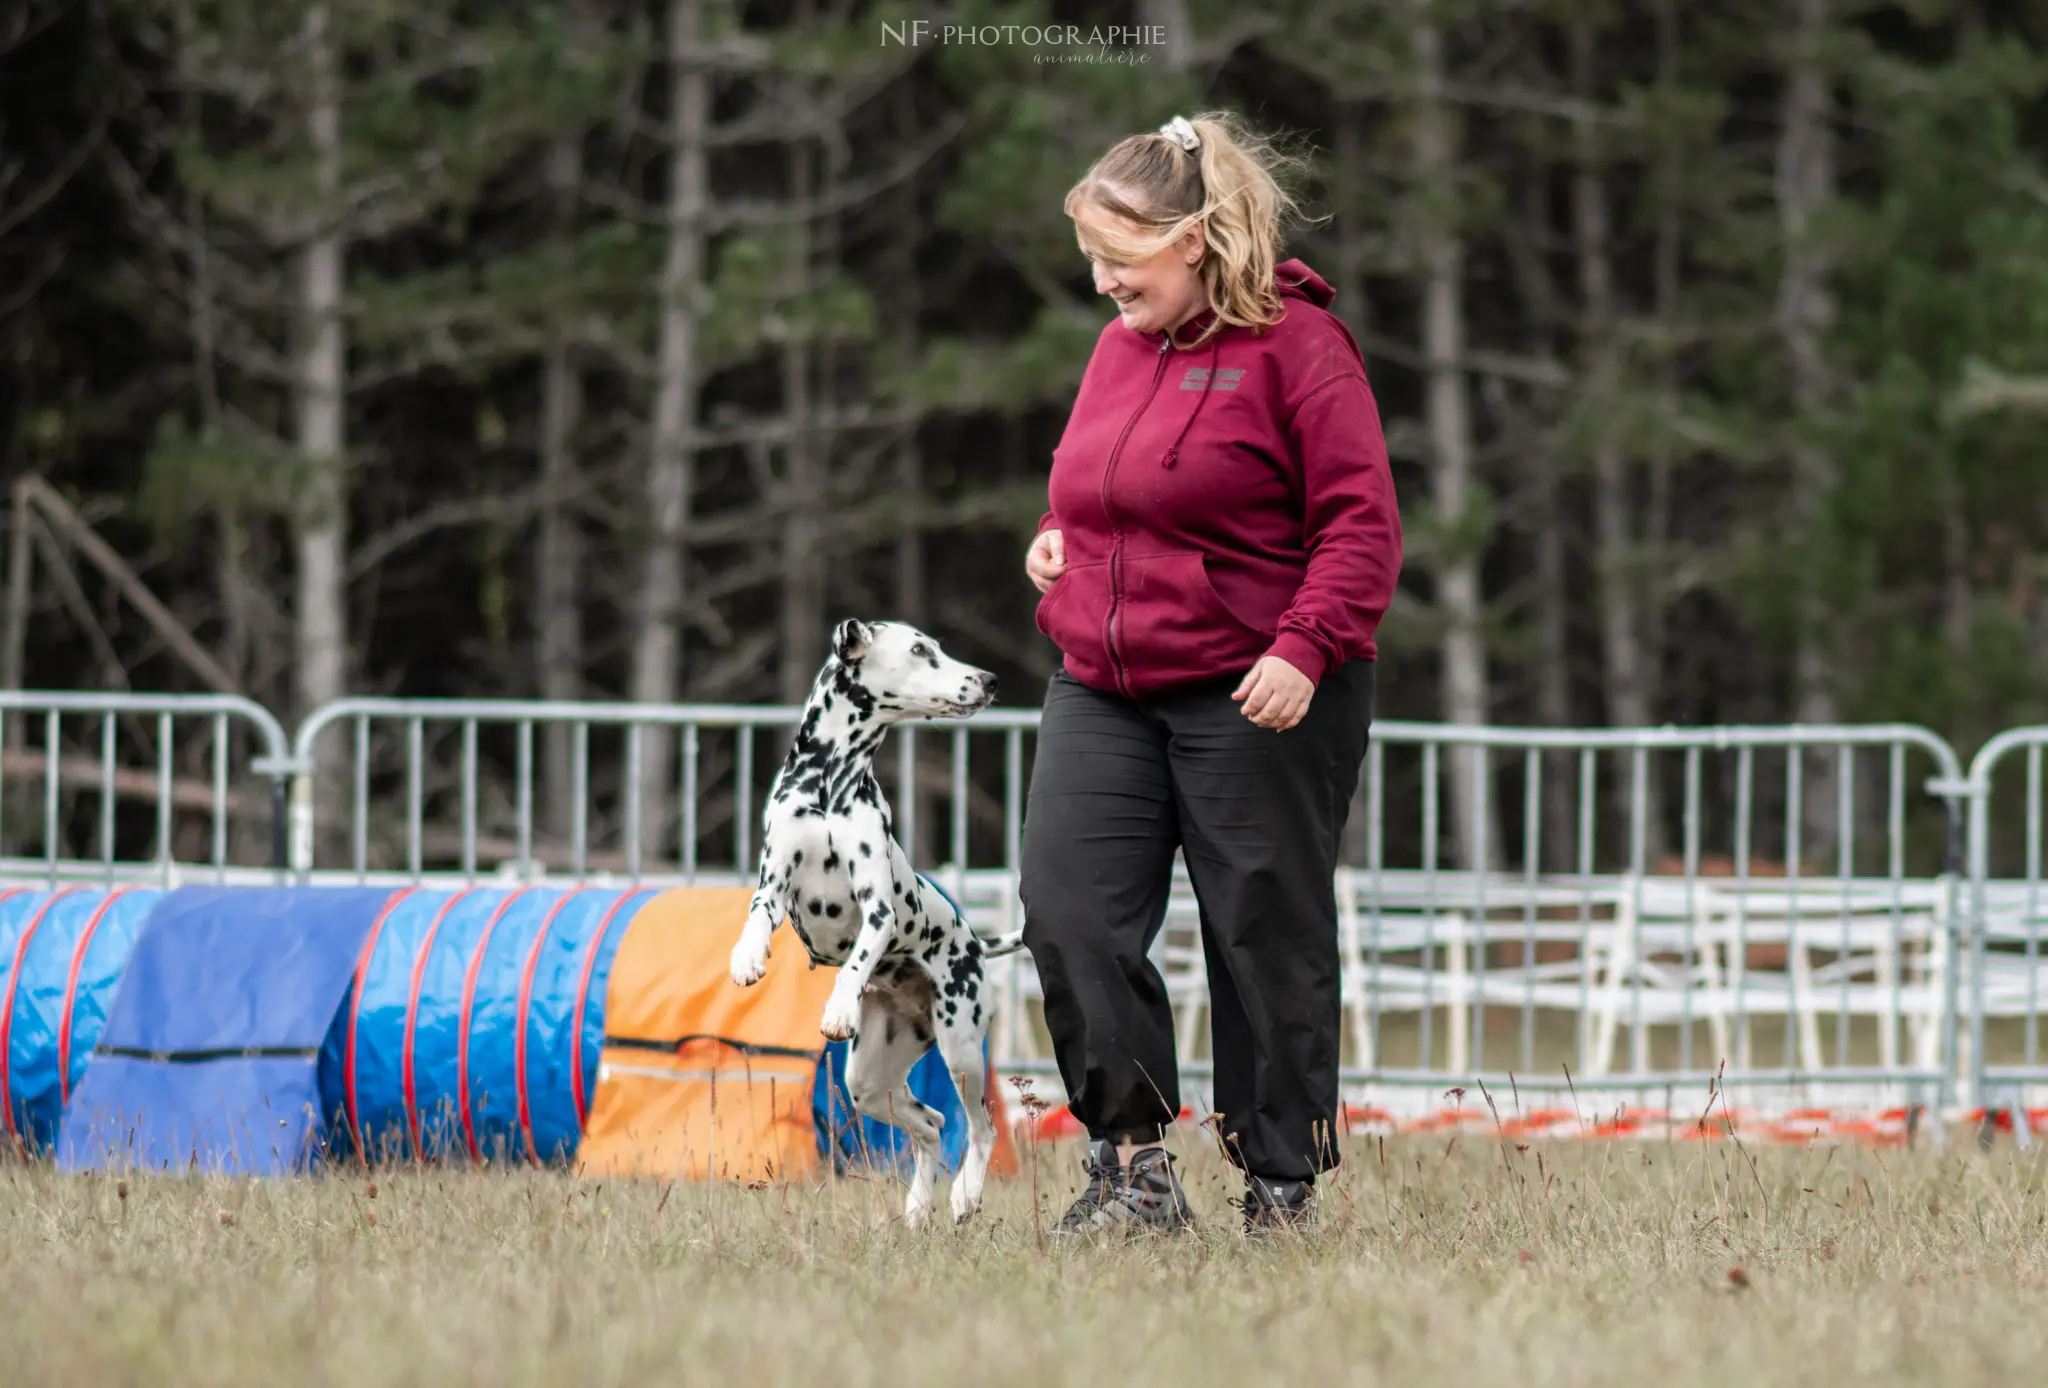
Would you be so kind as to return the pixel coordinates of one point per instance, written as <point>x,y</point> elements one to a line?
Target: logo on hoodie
<point>1198,378</point>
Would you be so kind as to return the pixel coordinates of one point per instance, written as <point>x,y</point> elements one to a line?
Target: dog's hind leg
<point>961,1046</point>
<point>885,1047</point>
<point>952,962</point>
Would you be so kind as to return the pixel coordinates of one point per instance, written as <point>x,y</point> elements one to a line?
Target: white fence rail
<point>2001,1038</point>
<point>161,787</point>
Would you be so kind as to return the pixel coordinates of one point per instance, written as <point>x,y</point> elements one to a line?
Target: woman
<point>1221,544</point>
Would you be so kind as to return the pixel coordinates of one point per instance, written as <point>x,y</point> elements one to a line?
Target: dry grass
<point>1663,1265</point>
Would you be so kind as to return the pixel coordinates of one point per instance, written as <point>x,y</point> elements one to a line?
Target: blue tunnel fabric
<point>849,1141</point>
<point>208,1057</point>
<point>61,955</point>
<point>475,1025</point>
<point>568,980</point>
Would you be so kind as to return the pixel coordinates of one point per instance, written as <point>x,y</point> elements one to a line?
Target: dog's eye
<point>920,650</point>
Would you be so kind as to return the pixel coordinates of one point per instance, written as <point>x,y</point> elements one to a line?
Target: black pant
<point>1115,788</point>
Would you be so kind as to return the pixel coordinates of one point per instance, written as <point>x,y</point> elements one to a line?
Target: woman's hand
<point>1047,559</point>
<point>1275,694</point>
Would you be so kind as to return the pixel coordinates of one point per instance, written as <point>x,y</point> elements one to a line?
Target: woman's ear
<point>1193,244</point>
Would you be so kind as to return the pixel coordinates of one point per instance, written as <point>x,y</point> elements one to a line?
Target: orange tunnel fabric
<point>700,1079</point>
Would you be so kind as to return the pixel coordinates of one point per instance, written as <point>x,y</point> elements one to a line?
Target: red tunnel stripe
<point>412,1019</point>
<point>71,992</point>
<point>28,934</point>
<point>582,1001</point>
<point>476,964</point>
<point>355,1012</point>
<point>519,1020</point>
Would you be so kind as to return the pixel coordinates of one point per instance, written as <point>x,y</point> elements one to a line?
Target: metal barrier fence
<point>1721,895</point>
<point>1678,888</point>
<point>159,786</point>
<point>1617,913</point>
<point>1614,911</point>
<point>2002,1041</point>
<point>472,796</point>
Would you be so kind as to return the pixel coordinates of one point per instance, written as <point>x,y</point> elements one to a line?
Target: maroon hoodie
<point>1222,503</point>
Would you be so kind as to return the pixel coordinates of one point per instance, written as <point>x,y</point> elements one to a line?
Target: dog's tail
<point>996,946</point>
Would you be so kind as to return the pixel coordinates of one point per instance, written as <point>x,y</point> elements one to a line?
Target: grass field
<point>1437,1263</point>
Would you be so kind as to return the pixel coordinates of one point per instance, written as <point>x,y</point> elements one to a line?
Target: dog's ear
<point>851,639</point>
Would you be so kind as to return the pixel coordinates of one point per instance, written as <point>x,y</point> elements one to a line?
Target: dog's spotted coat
<point>910,968</point>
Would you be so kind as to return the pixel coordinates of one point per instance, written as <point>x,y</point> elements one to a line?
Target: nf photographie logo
<point>1050,43</point>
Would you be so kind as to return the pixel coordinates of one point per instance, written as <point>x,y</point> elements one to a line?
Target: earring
<point>1193,258</point>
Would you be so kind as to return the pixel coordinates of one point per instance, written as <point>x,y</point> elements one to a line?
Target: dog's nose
<point>987,682</point>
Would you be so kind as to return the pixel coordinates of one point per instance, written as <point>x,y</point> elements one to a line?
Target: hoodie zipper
<point>1116,533</point>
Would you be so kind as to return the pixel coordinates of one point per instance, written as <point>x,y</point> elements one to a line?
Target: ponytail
<point>1230,184</point>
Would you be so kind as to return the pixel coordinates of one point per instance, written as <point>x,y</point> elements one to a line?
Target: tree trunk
<point>1448,408</point>
<point>1624,663</point>
<point>20,574</point>
<point>232,562</point>
<point>803,566</point>
<point>1959,598</point>
<point>233,570</point>
<point>1353,301</point>
<point>658,621</point>
<point>1620,622</point>
<point>1354,307</point>
<point>1805,311</point>
<point>321,519</point>
<point>558,596</point>
<point>907,304</point>
<point>1172,17</point>
<point>1656,616</point>
<point>913,600</point>
<point>1657,523</point>
<point>1552,578</point>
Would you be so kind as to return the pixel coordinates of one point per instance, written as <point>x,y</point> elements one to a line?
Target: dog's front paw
<point>749,962</point>
<point>842,1016</point>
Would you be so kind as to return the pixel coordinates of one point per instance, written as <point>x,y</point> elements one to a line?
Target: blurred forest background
<point>612,349</point>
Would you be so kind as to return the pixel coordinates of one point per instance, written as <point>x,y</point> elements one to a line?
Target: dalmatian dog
<point>910,968</point>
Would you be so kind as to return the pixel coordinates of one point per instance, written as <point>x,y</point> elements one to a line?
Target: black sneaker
<point>1143,1197</point>
<point>1271,1205</point>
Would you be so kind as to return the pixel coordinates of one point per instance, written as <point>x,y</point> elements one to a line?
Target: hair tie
<point>1181,133</point>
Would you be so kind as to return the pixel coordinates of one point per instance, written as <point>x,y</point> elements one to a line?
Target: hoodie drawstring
<point>1208,384</point>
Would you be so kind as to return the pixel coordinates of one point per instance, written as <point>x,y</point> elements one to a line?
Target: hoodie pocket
<point>1057,607</point>
<point>1173,592</point>
<point>1173,625</point>
<point>1228,608</point>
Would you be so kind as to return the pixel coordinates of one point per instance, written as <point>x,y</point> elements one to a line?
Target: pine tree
<point>302,131</point>
<point>1923,547</point>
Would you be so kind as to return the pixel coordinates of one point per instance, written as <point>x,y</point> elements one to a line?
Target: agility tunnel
<point>276,1030</point>
<point>63,953</point>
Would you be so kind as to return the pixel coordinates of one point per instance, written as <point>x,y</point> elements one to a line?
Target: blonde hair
<point>1231,187</point>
